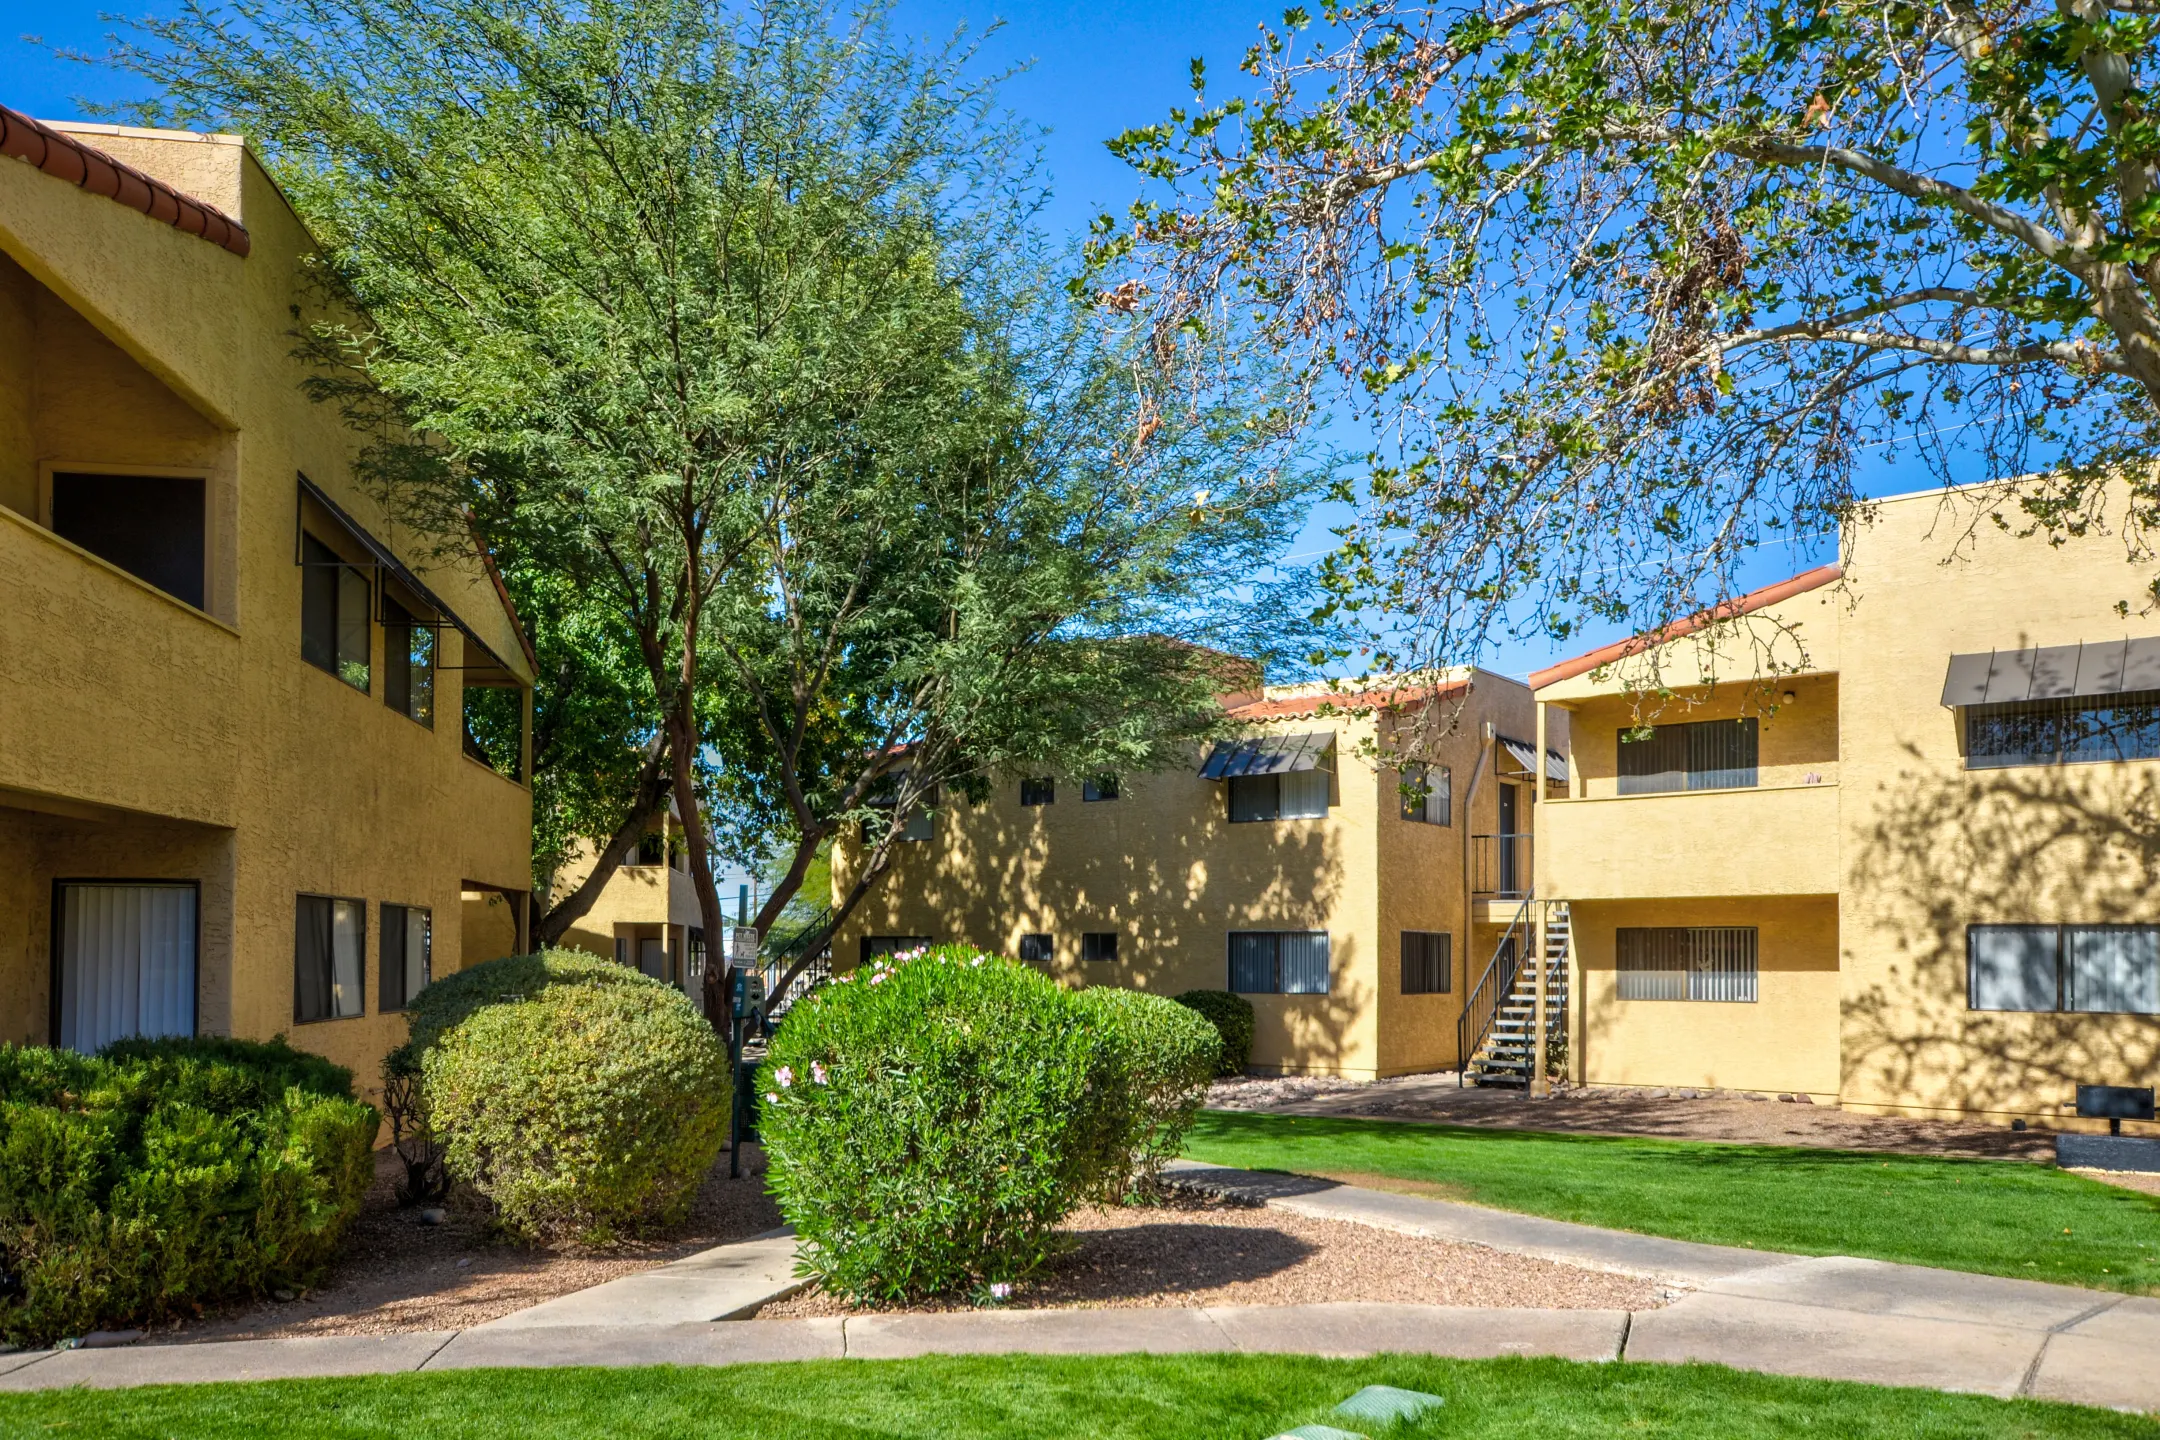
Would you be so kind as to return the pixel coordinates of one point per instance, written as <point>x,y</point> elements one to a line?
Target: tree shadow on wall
<point>2070,844</point>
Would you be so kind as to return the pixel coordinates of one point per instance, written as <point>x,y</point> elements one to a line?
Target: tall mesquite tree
<point>1623,289</point>
<point>623,265</point>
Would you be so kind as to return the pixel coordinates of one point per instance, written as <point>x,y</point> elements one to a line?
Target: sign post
<point>746,1005</point>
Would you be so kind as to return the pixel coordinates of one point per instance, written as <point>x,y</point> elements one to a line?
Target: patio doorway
<point>123,961</point>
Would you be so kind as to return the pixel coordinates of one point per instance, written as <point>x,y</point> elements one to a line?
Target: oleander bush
<point>930,1119</point>
<point>1232,1017</point>
<point>1165,1054</point>
<point>584,1100</point>
<point>159,1177</point>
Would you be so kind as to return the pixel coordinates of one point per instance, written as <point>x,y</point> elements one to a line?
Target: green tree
<point>623,265</point>
<point>1049,578</point>
<point>1624,289</point>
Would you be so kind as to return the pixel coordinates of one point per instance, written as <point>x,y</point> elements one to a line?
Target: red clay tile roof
<point>1346,700</point>
<point>1746,604</point>
<point>67,158</point>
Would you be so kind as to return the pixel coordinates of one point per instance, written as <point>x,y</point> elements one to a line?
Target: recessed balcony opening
<point>152,526</point>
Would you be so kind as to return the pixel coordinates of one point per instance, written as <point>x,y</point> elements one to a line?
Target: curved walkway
<point>1829,1317</point>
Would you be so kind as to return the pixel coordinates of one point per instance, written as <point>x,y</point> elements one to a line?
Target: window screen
<point>1279,962</point>
<point>1427,794</point>
<point>1700,755</point>
<point>1099,945</point>
<point>1255,797</point>
<point>2063,732</point>
<point>408,664</point>
<point>151,526</point>
<point>1675,962</point>
<point>1038,792</point>
<point>407,945</point>
<point>329,958</point>
<point>1427,963</point>
<point>1305,794</point>
<point>2086,969</point>
<point>1035,949</point>
<point>334,598</point>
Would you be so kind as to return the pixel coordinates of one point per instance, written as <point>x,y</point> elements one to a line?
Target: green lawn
<point>1202,1397</point>
<point>1995,1217</point>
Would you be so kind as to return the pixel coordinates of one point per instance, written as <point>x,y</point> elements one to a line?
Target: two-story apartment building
<point>646,916</point>
<point>1882,834</point>
<point>1347,894</point>
<point>261,752</point>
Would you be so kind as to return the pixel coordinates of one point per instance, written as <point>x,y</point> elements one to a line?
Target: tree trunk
<point>683,745</point>
<point>653,784</point>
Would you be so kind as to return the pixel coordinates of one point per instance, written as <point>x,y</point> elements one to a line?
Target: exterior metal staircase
<point>1499,1019</point>
<point>778,960</point>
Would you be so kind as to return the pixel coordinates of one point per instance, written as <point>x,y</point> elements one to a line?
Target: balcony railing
<point>1500,865</point>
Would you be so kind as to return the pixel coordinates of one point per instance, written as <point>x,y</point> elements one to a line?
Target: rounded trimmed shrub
<point>162,1176</point>
<point>583,1104</point>
<point>1165,1054</point>
<point>441,1005</point>
<point>930,1119</point>
<point>1232,1017</point>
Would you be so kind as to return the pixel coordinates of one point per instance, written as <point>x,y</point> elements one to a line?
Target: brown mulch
<point>400,1275</point>
<point>1204,1251</point>
<point>1759,1119</point>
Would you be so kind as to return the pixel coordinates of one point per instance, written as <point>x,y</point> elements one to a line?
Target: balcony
<point>1777,840</point>
<point>1500,866</point>
<point>117,694</point>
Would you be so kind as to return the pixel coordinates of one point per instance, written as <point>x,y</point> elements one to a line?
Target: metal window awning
<point>1526,756</point>
<point>2053,672</point>
<point>1268,755</point>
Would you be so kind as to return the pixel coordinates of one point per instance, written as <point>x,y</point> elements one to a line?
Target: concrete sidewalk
<point>1830,1317</point>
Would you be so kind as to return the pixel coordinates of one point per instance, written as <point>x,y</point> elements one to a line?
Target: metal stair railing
<point>781,958</point>
<point>1482,1005</point>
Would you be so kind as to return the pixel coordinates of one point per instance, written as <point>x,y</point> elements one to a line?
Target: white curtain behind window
<point>1304,794</point>
<point>1304,962</point>
<point>348,948</point>
<point>127,963</point>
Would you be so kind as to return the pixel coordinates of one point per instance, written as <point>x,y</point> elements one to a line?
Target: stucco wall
<point>1785,1040</point>
<point>1931,847</point>
<point>152,348</point>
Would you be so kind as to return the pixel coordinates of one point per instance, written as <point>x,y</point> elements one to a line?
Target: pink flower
<point>785,1076</point>
<point>771,1099</point>
<point>1000,1291</point>
<point>817,1072</point>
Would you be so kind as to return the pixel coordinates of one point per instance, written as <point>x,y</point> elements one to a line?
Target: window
<point>1099,945</point>
<point>921,825</point>
<point>1036,949</point>
<point>2063,732</point>
<point>696,948</point>
<point>329,958</point>
<point>1294,795</point>
<point>407,959</point>
<point>1681,962</point>
<point>1038,792</point>
<point>1279,962</point>
<point>1700,755</point>
<point>876,945</point>
<point>1102,787</point>
<point>151,526</point>
<point>1427,967</point>
<point>334,600</point>
<point>2083,969</point>
<point>1428,794</point>
<point>408,664</point>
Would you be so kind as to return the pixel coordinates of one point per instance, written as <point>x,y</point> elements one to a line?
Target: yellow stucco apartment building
<point>236,795</point>
<point>1881,835</point>
<point>646,915</point>
<point>1291,864</point>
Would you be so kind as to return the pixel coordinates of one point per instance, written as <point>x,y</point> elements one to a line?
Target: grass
<point>1990,1216</point>
<point>1127,1397</point>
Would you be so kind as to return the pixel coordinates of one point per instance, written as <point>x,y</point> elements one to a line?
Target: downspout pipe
<point>1467,824</point>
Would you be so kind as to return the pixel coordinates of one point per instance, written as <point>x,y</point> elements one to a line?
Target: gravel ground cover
<point>400,1275</point>
<point>1746,1117</point>
<point>1205,1251</point>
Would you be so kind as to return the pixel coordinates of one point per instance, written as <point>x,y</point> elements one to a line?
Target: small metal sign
<point>742,944</point>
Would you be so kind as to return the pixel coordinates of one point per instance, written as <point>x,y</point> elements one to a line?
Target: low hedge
<point>1165,1055</point>
<point>584,1100</point>
<point>929,1121</point>
<point>1232,1017</point>
<point>163,1176</point>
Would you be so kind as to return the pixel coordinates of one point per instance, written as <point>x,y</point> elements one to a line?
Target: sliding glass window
<point>329,958</point>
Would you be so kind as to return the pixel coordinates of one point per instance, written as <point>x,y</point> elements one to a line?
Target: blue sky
<point>1091,71</point>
